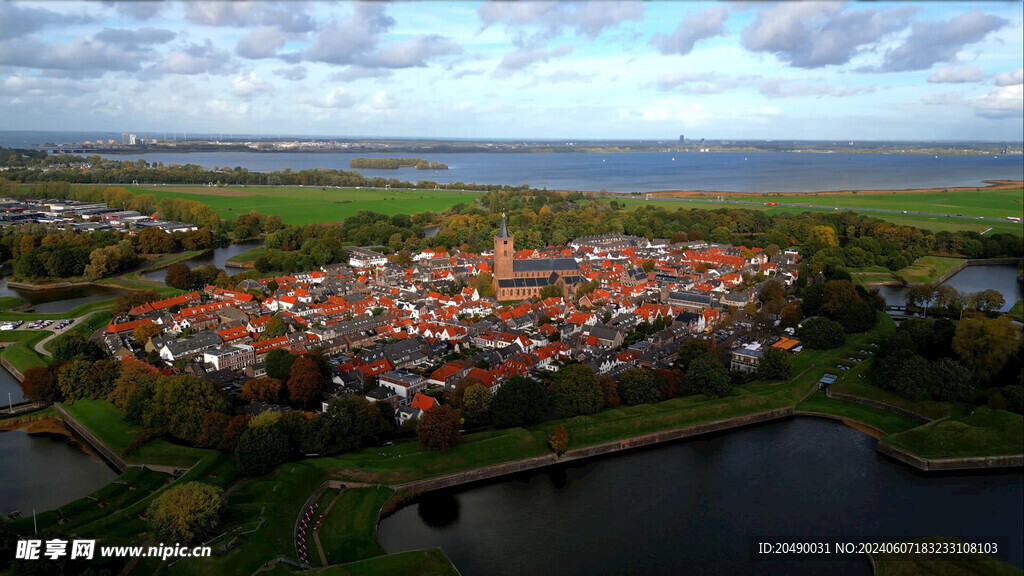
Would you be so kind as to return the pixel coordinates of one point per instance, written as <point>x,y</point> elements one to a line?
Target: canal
<point>218,257</point>
<point>700,507</point>
<point>1001,277</point>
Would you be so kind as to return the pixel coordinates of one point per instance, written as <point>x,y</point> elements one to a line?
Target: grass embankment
<point>349,532</point>
<point>1017,311</point>
<point>20,420</point>
<point>312,204</point>
<point>883,420</point>
<point>930,409</point>
<point>105,421</point>
<point>941,564</point>
<point>21,351</point>
<point>982,432</point>
<point>80,310</point>
<point>409,461</point>
<point>928,269</point>
<point>249,255</point>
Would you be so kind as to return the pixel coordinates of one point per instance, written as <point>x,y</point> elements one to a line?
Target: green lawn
<point>249,255</point>
<point>983,432</point>
<point>928,269</point>
<point>887,422</point>
<point>1017,309</point>
<point>105,421</point>
<point>863,389</point>
<point>941,564</point>
<point>933,223</point>
<point>349,532</point>
<point>311,204</point>
<point>21,350</point>
<point>988,203</point>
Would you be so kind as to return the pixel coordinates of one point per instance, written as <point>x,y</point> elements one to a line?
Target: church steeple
<point>503,233</point>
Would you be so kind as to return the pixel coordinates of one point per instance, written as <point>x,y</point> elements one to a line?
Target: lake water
<point>698,507</point>
<point>217,257</point>
<point>650,171</point>
<point>44,471</point>
<point>10,389</point>
<point>1001,277</point>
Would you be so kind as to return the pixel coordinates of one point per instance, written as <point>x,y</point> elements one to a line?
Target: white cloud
<point>1014,78</point>
<point>956,75</point>
<point>249,84</point>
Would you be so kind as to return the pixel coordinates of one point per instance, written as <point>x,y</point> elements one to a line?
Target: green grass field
<point>933,223</point>
<point>105,421</point>
<point>983,432</point>
<point>21,350</point>
<point>311,204</point>
<point>928,269</point>
<point>349,532</point>
<point>887,422</point>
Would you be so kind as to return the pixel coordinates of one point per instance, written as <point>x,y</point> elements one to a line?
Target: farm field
<point>310,205</point>
<point>986,203</point>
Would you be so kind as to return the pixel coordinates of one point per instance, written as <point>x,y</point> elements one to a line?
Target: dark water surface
<point>44,472</point>
<point>217,257</point>
<point>649,171</point>
<point>698,507</point>
<point>1000,277</point>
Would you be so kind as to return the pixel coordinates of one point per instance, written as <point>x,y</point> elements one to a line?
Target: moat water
<point>701,506</point>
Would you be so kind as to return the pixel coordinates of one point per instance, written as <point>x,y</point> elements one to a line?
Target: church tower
<point>504,252</point>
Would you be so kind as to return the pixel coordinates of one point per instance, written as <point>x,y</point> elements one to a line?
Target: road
<point>39,347</point>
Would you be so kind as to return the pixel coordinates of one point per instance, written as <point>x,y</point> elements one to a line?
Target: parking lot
<point>55,325</point>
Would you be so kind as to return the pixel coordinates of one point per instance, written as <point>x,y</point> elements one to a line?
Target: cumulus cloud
<point>415,52</point>
<point>935,41</point>
<point>138,9</point>
<point>135,38</point>
<point>813,34</point>
<point>693,28</point>
<point>956,75</point>
<point>195,58</point>
<point>346,40</point>
<point>525,56</point>
<point>1014,78</point>
<point>1001,102</point>
<point>263,42</point>
<point>585,18</point>
<point>336,98</point>
<point>81,55</point>
<point>787,88</point>
<point>219,13</point>
<point>17,20</point>
<point>249,84</point>
<point>359,73</point>
<point>699,82</point>
<point>294,73</point>
<point>771,87</point>
<point>18,85</point>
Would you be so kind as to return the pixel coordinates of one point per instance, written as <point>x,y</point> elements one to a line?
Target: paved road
<point>40,346</point>
<point>819,207</point>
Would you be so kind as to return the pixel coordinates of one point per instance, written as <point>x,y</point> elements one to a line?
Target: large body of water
<point>971,279</point>
<point>44,472</point>
<point>699,507</point>
<point>650,171</point>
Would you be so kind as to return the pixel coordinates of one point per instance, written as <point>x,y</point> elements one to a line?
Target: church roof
<point>503,233</point>
<point>545,264</point>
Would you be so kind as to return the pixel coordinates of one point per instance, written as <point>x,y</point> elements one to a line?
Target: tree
<point>275,327</point>
<point>262,390</point>
<point>144,332</point>
<point>438,428</point>
<point>278,363</point>
<point>821,236</point>
<point>792,315</point>
<point>261,449</point>
<point>772,296</point>
<point>559,439</point>
<point>775,365</point>
<point>179,276</point>
<point>476,405</point>
<point>135,378</point>
<point>73,345</point>
<point>180,403</point>
<point>707,375</point>
<point>551,291</point>
<point>690,350</point>
<point>611,391</point>
<point>306,382</point>
<point>186,514</point>
<point>987,300</point>
<point>576,391</point>
<point>640,386</point>
<point>39,385</point>
<point>459,394</point>
<point>921,295</point>
<point>76,380</point>
<point>520,401</point>
<point>952,381</point>
<point>985,345</point>
<point>822,334</point>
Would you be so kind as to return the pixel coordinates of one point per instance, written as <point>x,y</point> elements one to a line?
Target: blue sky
<point>559,70</point>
